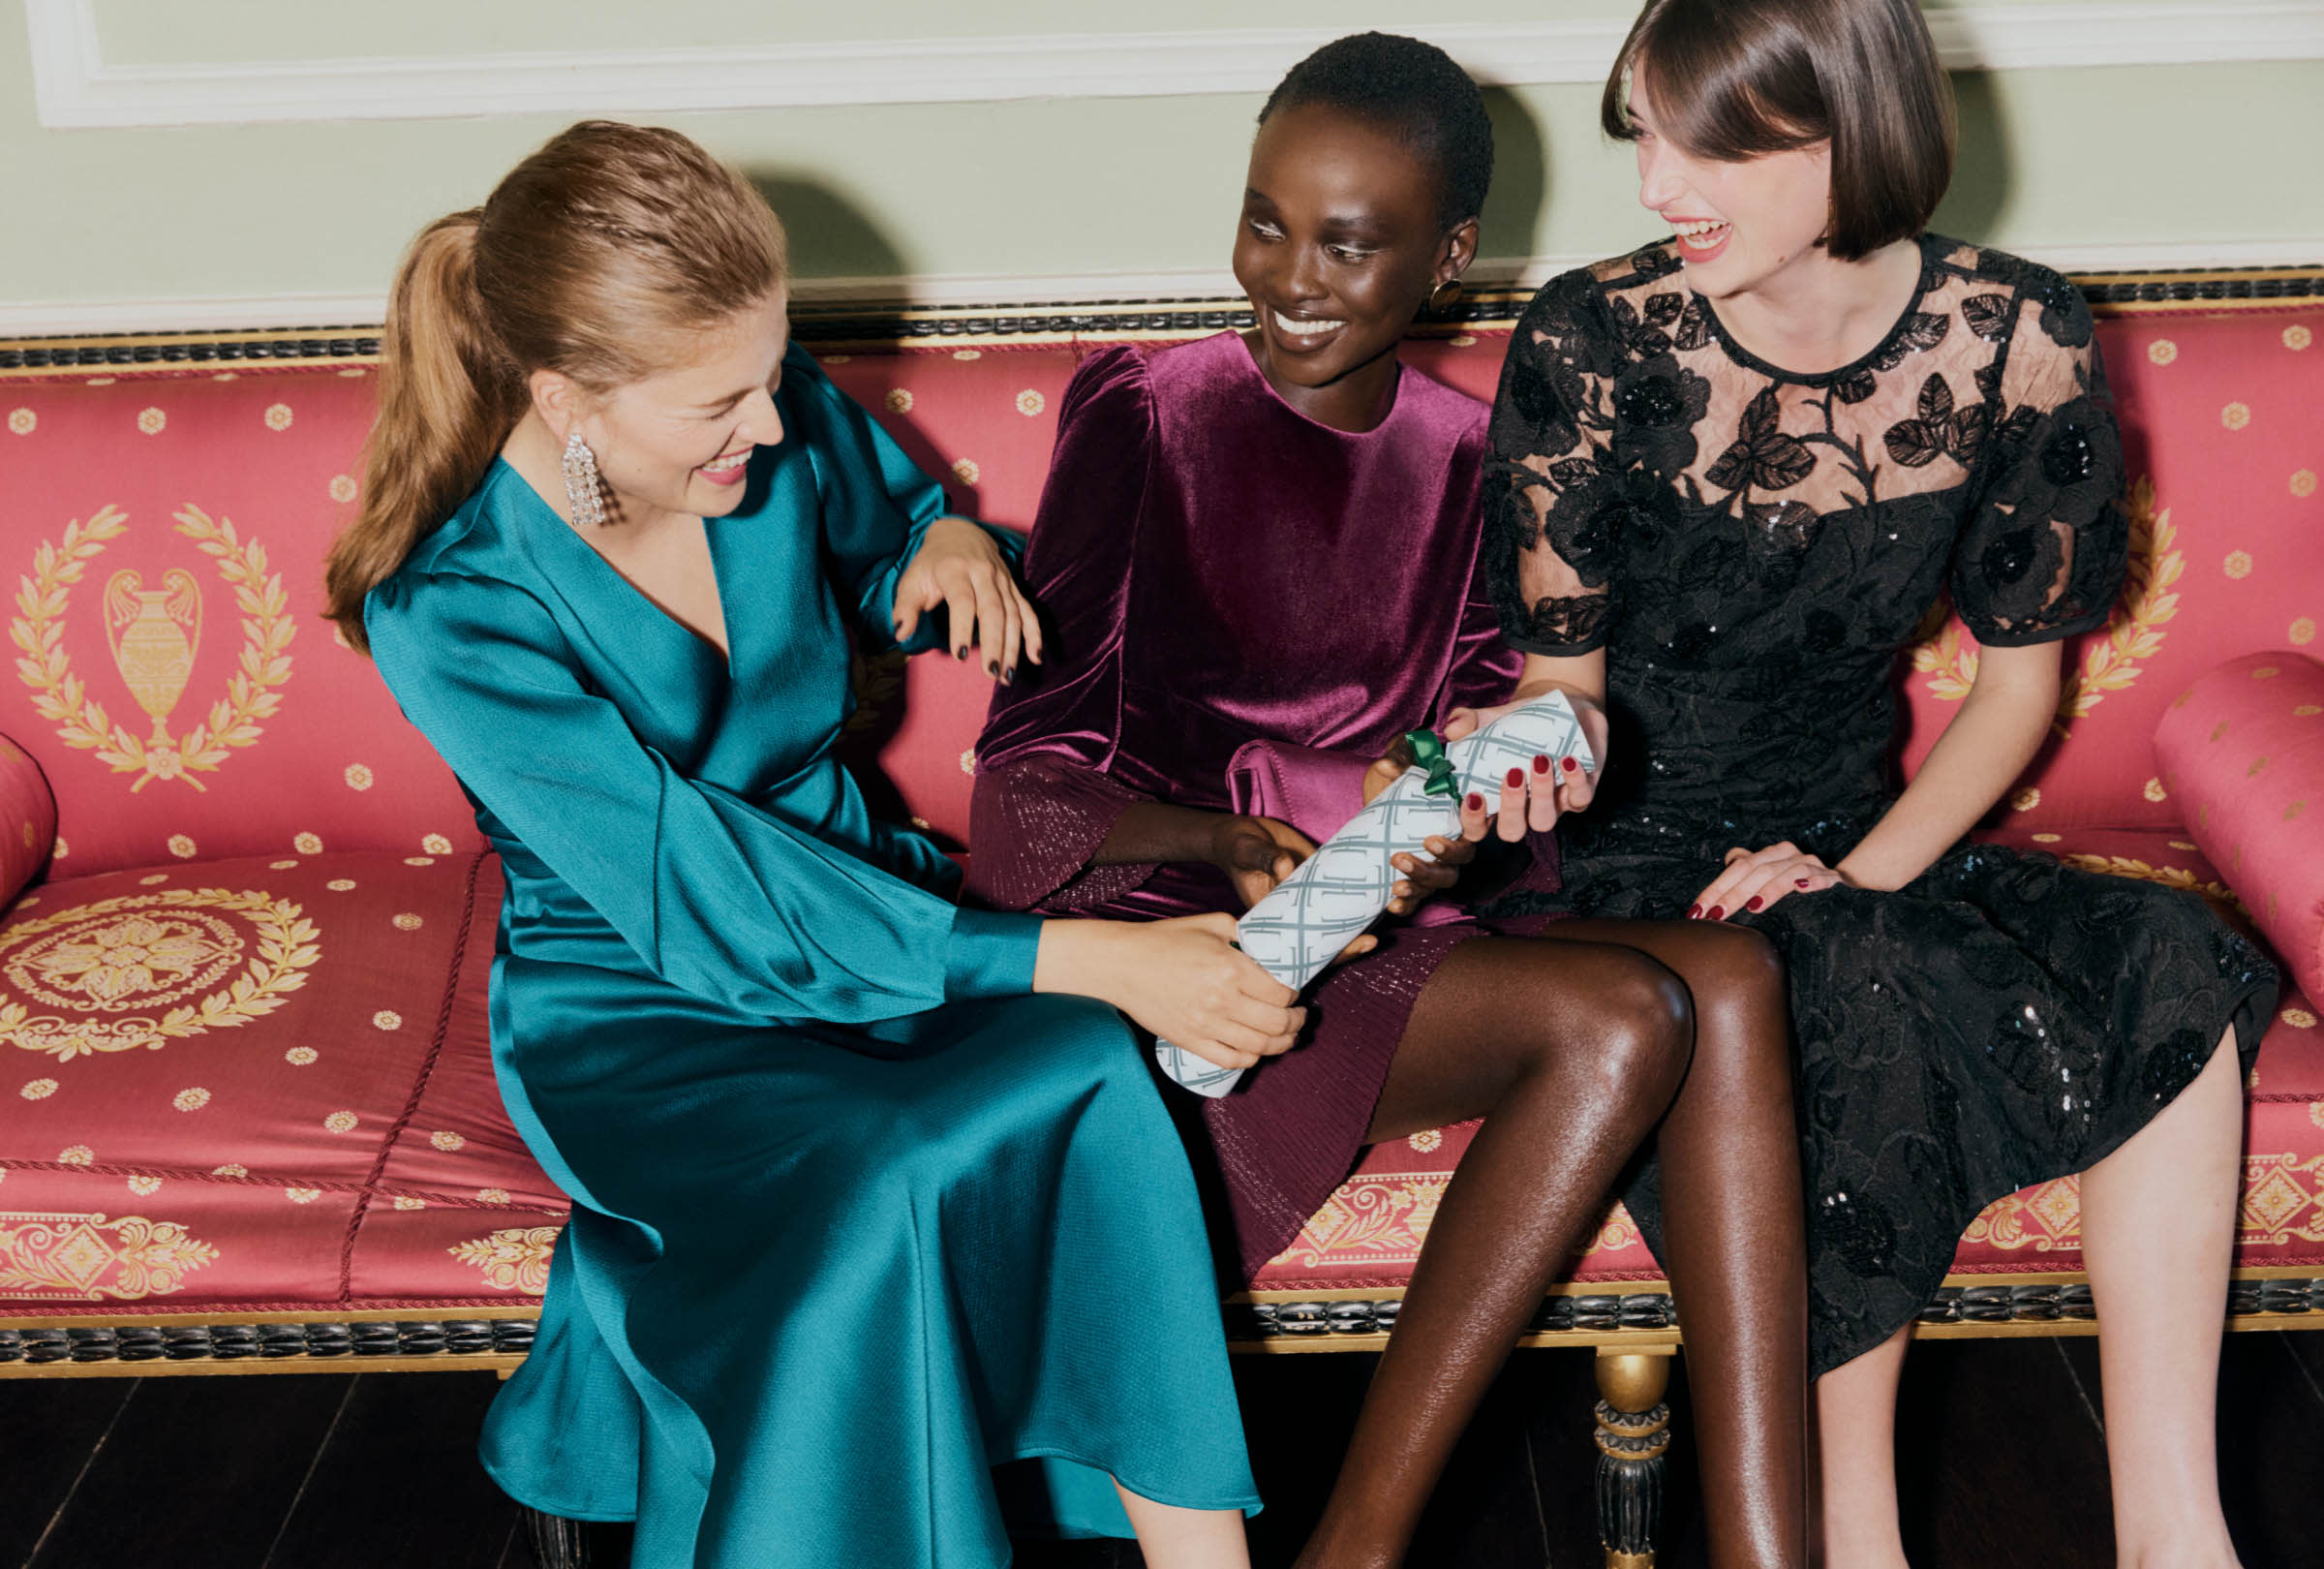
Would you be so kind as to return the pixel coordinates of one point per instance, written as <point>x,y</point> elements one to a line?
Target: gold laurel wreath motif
<point>81,721</point>
<point>286,944</point>
<point>2133,633</point>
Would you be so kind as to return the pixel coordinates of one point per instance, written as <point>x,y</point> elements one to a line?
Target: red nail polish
<point>1572,767</point>
<point>1694,912</point>
<point>1475,802</point>
<point>1540,764</point>
<point>1799,882</point>
<point>1714,912</point>
<point>1755,902</point>
<point>1515,777</point>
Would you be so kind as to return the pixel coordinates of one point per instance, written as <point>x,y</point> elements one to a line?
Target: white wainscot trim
<point>257,312</point>
<point>76,88</point>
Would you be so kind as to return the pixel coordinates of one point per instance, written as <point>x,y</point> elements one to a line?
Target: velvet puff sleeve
<point>1045,800</point>
<point>2043,550</point>
<point>1484,669</point>
<point>715,895</point>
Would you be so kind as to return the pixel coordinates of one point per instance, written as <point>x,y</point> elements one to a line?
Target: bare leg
<point>1734,1234</point>
<point>2158,1237</point>
<point>1855,1434</point>
<point>1570,1051</point>
<point>2157,1234</point>
<point>1170,1537</point>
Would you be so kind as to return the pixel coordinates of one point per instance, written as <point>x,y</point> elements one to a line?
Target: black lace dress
<point>1753,548</point>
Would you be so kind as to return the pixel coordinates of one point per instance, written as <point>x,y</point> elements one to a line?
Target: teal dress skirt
<point>856,1219</point>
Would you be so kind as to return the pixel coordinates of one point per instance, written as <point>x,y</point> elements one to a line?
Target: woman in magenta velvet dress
<point>1275,535</point>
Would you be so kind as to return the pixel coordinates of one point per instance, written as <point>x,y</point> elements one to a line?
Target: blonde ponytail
<point>447,400</point>
<point>591,258</point>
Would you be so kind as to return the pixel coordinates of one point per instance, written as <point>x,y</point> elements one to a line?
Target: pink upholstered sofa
<point>247,1117</point>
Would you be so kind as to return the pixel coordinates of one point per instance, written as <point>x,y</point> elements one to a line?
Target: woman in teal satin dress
<point>855,1217</point>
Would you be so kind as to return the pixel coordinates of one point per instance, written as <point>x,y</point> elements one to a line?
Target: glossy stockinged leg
<point>1572,1050</point>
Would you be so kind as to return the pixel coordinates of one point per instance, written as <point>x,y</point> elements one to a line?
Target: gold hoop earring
<point>1443,298</point>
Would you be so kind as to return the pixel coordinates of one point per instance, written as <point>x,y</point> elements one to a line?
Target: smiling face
<point>1340,243</point>
<point>1739,223</point>
<point>680,439</point>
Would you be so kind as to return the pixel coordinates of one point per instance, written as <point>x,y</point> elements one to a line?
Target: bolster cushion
<point>27,820</point>
<point>2242,752</point>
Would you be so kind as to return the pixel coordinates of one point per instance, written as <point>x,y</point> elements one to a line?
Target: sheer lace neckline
<point>1930,248</point>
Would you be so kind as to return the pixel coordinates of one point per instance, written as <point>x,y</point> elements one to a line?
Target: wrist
<point>1218,845</point>
<point>1071,957</point>
<point>1857,873</point>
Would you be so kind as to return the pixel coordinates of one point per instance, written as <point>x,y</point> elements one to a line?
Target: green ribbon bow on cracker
<point>1429,753</point>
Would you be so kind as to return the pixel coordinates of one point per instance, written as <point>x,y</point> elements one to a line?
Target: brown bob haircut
<point>1734,80</point>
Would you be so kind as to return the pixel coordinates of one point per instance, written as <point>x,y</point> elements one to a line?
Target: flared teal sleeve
<point>716,896</point>
<point>878,504</point>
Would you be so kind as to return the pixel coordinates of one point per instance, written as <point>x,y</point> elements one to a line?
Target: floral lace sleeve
<point>1551,486</point>
<point>2043,550</point>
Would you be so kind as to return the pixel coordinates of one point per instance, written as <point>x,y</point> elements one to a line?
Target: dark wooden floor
<point>2002,1452</point>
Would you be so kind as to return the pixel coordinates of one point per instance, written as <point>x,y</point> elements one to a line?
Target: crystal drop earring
<point>582,488</point>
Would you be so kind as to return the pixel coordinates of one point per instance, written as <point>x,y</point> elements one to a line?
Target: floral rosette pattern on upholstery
<point>108,965</point>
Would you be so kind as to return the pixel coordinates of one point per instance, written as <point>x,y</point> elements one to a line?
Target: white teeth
<point>1700,229</point>
<point>726,465</point>
<point>1305,329</point>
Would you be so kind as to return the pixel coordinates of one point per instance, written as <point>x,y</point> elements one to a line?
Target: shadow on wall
<point>1520,178</point>
<point>829,237</point>
<point>1981,165</point>
<point>832,238</point>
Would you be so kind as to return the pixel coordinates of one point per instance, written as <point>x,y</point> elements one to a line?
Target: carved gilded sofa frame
<point>1631,1327</point>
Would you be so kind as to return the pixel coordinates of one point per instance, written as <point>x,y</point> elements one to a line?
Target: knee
<point>1742,964</point>
<point>1736,975</point>
<point>1645,1032</point>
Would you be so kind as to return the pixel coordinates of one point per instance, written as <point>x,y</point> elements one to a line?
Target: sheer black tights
<point>1574,1047</point>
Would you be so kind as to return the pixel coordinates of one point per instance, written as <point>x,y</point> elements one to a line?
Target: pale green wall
<point>2052,159</point>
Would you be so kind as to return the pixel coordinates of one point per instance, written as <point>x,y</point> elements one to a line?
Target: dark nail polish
<point>1695,913</point>
<point>1515,779</point>
<point>960,653</point>
<point>1540,764</point>
<point>1713,913</point>
<point>1475,802</point>
<point>992,667</point>
<point>1008,677</point>
<point>1572,767</point>
<point>1755,902</point>
<point>1799,882</point>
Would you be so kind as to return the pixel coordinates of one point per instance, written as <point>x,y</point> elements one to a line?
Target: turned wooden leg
<point>558,1543</point>
<point>1634,1432</point>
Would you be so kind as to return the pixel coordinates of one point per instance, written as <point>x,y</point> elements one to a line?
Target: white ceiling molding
<point>262,312</point>
<point>76,88</point>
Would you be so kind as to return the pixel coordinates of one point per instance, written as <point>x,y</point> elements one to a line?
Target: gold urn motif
<point>153,634</point>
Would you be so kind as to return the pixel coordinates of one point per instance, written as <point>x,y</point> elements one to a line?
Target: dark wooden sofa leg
<point>1634,1433</point>
<point>558,1543</point>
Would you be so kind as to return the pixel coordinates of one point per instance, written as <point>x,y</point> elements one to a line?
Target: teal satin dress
<point>856,1219</point>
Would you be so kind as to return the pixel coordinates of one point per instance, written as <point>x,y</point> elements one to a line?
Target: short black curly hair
<point>1410,89</point>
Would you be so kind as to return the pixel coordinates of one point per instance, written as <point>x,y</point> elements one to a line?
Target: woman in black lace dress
<point>1737,468</point>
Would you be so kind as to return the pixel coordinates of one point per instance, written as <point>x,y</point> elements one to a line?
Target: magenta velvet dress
<point>1217,568</point>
